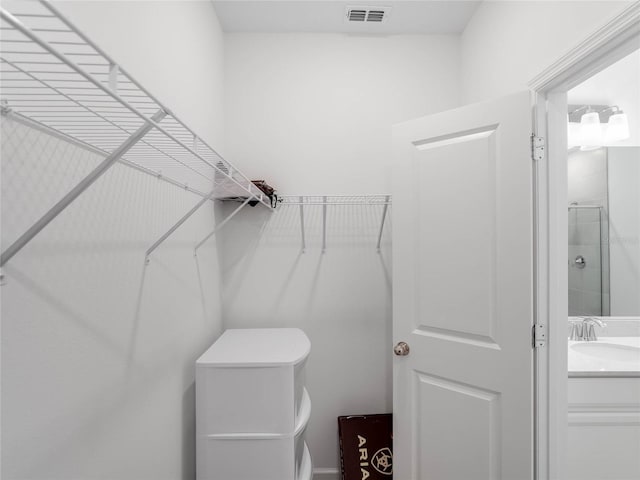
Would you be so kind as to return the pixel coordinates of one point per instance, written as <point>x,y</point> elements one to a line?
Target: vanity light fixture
<point>594,126</point>
<point>573,134</point>
<point>590,130</point>
<point>617,127</point>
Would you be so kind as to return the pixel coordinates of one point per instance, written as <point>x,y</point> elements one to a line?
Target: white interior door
<point>462,293</point>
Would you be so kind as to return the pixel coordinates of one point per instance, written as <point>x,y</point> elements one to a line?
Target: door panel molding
<point>463,293</point>
<point>472,413</point>
<point>452,298</point>
<point>457,336</point>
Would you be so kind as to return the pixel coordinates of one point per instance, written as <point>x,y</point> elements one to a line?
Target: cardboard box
<point>366,446</point>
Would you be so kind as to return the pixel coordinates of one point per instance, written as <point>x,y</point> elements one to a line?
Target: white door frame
<point>616,39</point>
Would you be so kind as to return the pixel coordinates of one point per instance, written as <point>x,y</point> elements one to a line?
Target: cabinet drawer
<point>305,470</point>
<point>256,457</point>
<point>237,400</point>
<point>246,384</point>
<point>299,381</point>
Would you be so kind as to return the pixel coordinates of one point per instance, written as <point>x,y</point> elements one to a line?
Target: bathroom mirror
<point>604,231</point>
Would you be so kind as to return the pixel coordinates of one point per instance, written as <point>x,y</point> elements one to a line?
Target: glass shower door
<point>588,283</point>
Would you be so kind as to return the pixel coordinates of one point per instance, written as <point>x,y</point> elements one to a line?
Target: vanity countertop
<point>606,357</point>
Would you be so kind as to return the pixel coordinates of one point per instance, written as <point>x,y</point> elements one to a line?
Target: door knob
<point>401,349</point>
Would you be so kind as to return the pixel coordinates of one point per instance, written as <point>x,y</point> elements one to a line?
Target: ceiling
<point>329,16</point>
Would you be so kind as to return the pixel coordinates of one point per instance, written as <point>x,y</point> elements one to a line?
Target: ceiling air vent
<point>357,15</point>
<point>375,16</point>
<point>367,14</point>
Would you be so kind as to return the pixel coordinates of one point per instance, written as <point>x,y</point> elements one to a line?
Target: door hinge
<point>539,335</point>
<point>537,148</point>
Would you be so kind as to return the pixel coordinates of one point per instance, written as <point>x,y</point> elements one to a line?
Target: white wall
<point>624,229</point>
<point>341,299</point>
<point>97,349</point>
<point>97,358</point>
<point>174,48</point>
<point>507,43</point>
<point>312,114</point>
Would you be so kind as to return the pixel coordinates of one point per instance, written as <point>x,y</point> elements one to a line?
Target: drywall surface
<point>507,43</point>
<point>98,349</point>
<point>312,113</point>
<point>340,298</point>
<point>624,229</point>
<point>174,48</point>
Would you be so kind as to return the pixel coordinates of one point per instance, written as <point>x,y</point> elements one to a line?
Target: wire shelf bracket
<point>324,224</point>
<point>221,225</point>
<point>177,225</point>
<point>384,216</point>
<point>76,191</point>
<point>304,243</point>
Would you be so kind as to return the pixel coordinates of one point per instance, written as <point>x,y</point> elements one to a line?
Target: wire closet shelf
<point>55,79</point>
<point>335,200</point>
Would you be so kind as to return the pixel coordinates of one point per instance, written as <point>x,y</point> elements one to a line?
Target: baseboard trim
<point>326,474</point>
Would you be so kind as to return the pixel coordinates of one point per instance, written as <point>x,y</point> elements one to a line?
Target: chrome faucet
<point>588,332</point>
<point>576,331</point>
<point>584,331</point>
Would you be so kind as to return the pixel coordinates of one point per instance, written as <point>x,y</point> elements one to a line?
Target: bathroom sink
<point>613,351</point>
<point>607,354</point>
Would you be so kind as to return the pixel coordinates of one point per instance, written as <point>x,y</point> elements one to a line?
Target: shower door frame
<point>610,43</point>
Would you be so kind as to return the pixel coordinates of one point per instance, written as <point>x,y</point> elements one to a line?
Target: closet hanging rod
<point>378,199</point>
<point>84,104</point>
<point>221,167</point>
<point>47,4</point>
<point>339,200</point>
<point>57,13</point>
<point>94,175</point>
<point>328,195</point>
<point>336,203</point>
<point>18,25</point>
<point>31,123</point>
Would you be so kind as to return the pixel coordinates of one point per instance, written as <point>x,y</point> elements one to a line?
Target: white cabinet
<point>252,408</point>
<point>604,428</point>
